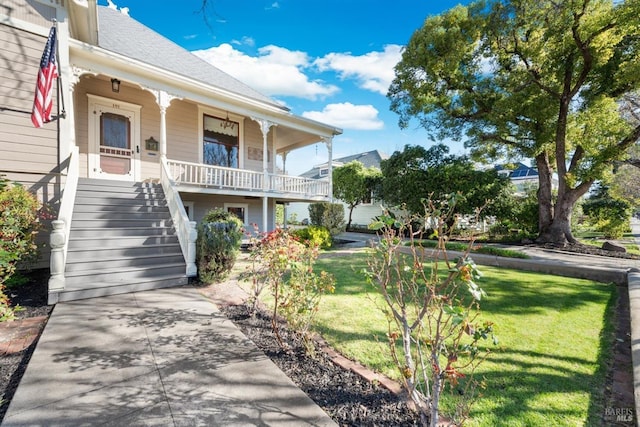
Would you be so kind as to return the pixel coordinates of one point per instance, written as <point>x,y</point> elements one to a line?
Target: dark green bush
<point>607,213</point>
<point>314,235</point>
<point>219,237</point>
<point>328,215</point>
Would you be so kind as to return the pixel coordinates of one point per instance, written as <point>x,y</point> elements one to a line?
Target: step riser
<point>119,215</point>
<point>100,291</point>
<point>98,233</point>
<point>88,278</point>
<point>124,263</point>
<point>130,209</point>
<point>134,222</point>
<point>126,198</point>
<point>101,254</point>
<point>124,242</point>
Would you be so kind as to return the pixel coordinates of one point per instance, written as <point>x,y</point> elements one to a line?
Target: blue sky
<point>327,60</point>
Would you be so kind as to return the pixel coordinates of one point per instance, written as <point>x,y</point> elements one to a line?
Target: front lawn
<point>555,337</point>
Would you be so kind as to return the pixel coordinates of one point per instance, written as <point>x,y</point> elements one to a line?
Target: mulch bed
<point>344,395</point>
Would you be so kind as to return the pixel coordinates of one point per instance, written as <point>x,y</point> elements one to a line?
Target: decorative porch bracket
<point>163,99</point>
<point>185,229</point>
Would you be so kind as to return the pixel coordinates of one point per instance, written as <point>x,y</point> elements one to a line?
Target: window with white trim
<point>220,141</point>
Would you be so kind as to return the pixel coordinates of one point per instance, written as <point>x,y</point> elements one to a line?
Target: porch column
<point>284,162</point>
<point>329,141</point>
<point>265,125</point>
<point>284,172</point>
<point>163,99</point>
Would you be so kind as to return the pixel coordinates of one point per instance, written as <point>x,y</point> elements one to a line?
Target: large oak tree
<point>541,80</point>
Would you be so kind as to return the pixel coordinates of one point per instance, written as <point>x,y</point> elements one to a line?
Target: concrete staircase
<point>122,240</point>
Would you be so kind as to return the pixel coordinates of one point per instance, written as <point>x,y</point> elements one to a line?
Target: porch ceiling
<point>289,139</point>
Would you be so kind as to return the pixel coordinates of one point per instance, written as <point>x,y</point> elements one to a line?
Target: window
<point>324,172</point>
<point>115,144</point>
<point>239,210</point>
<point>220,142</point>
<point>189,209</point>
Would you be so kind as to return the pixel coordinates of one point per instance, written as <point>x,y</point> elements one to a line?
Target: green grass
<point>477,248</point>
<point>595,238</point>
<point>555,335</point>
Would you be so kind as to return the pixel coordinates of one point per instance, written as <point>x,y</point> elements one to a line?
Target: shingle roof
<point>368,159</point>
<point>124,35</point>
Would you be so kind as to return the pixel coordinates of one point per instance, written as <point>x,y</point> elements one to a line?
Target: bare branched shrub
<point>433,311</point>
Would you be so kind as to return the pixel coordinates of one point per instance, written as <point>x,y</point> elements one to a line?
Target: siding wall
<point>28,155</point>
<point>182,127</point>
<point>203,203</point>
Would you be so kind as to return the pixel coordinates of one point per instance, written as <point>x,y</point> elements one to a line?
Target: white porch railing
<point>59,237</point>
<point>185,229</point>
<point>241,179</point>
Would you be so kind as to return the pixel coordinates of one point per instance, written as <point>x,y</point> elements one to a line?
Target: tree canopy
<point>416,173</point>
<point>541,80</point>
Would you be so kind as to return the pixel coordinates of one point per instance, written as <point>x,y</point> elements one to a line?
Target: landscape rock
<point>614,247</point>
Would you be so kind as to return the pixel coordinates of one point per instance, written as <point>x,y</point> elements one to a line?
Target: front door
<point>114,139</point>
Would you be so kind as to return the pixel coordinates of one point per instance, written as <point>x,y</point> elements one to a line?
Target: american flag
<point>48,73</point>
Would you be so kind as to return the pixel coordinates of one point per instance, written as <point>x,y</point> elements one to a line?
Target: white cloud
<point>245,41</point>
<point>348,116</point>
<point>276,71</point>
<point>373,71</point>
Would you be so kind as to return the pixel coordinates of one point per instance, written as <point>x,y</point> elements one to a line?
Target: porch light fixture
<point>227,123</point>
<point>115,85</point>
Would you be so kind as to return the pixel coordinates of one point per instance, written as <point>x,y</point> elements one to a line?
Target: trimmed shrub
<point>219,237</point>
<point>328,215</point>
<point>314,235</point>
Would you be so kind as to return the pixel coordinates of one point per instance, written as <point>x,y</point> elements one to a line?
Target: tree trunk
<point>545,201</point>
<point>348,227</point>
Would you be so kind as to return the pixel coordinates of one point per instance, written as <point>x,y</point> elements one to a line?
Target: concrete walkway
<point>166,357</point>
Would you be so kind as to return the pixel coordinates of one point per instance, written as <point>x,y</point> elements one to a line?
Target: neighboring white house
<point>363,213</point>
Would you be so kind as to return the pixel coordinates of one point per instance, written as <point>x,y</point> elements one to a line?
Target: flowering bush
<point>284,265</point>
<point>19,223</point>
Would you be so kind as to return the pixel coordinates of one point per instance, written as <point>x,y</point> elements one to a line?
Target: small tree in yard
<point>284,265</point>
<point>219,237</point>
<point>434,328</point>
<point>354,184</point>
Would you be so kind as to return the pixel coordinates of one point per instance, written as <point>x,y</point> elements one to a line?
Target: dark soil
<point>345,396</point>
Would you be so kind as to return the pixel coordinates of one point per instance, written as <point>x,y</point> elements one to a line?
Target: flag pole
<point>59,90</point>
